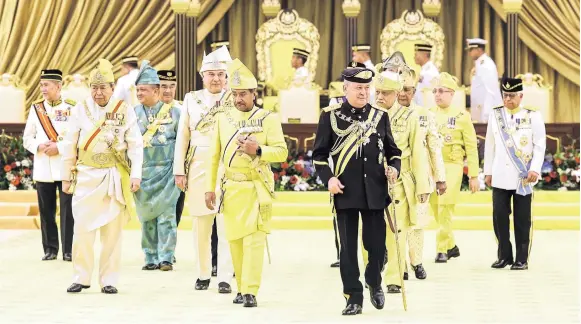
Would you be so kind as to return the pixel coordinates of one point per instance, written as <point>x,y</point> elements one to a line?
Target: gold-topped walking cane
<point>393,227</point>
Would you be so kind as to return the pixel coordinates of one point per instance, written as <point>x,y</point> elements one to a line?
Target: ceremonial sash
<point>45,122</point>
<point>230,144</point>
<point>353,143</point>
<point>154,126</point>
<point>121,164</point>
<point>523,188</point>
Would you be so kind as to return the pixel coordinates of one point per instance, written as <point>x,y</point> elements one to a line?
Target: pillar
<point>431,9</point>
<point>351,9</point>
<point>512,8</point>
<point>186,25</point>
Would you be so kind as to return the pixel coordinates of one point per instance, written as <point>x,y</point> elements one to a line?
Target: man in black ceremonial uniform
<point>357,135</point>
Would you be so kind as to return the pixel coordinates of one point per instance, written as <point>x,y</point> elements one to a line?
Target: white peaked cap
<point>216,60</point>
<point>476,41</point>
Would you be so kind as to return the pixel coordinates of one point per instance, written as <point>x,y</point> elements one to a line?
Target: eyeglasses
<point>440,91</point>
<point>509,95</point>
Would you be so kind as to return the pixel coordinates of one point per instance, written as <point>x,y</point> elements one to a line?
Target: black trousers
<point>46,192</point>
<point>336,236</point>
<point>180,206</point>
<point>373,241</point>
<point>522,223</point>
<point>214,245</point>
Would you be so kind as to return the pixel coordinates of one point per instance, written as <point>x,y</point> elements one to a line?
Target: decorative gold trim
<point>286,26</point>
<point>556,139</point>
<point>351,8</point>
<point>306,140</point>
<point>480,136</point>
<point>512,6</point>
<point>180,6</point>
<point>7,79</point>
<point>412,26</point>
<point>67,80</point>
<point>194,9</point>
<point>293,139</point>
<point>530,79</point>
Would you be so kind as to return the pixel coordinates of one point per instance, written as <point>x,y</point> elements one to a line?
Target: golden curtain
<point>551,29</point>
<point>72,35</point>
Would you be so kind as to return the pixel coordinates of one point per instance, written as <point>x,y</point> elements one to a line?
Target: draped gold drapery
<point>72,35</point>
<point>75,33</point>
<point>551,30</point>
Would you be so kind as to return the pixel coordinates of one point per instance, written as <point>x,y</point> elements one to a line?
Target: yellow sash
<point>121,163</point>
<point>152,128</point>
<point>353,143</point>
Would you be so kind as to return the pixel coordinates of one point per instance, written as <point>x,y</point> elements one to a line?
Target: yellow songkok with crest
<point>240,76</point>
<point>102,74</point>
<point>410,79</point>
<point>445,80</point>
<point>388,80</point>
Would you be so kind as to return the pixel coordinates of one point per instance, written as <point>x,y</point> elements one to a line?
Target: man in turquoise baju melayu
<point>156,201</point>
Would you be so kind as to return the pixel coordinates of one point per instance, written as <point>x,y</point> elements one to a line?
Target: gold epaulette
<point>71,102</point>
<point>379,108</point>
<point>498,107</point>
<point>531,108</point>
<point>332,107</point>
<point>37,101</point>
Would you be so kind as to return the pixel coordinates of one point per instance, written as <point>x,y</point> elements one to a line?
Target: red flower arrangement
<point>15,164</point>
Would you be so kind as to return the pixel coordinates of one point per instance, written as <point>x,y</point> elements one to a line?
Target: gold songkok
<point>240,76</point>
<point>102,74</point>
<point>445,80</point>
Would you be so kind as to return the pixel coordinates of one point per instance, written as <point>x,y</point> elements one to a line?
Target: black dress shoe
<point>454,252</point>
<point>214,271</point>
<point>336,264</point>
<point>377,297</point>
<point>224,288</point>
<point>67,257</point>
<point>49,256</point>
<point>238,299</point>
<point>519,266</point>
<point>501,263</point>
<point>250,301</point>
<point>202,284</point>
<point>165,266</point>
<point>405,276</point>
<point>441,258</point>
<point>109,290</point>
<point>150,266</point>
<point>75,288</point>
<point>420,271</point>
<point>352,309</point>
<point>393,289</point>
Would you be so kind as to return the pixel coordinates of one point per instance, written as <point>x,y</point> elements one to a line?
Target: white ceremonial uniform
<point>125,88</point>
<point>47,168</point>
<point>195,131</point>
<point>427,73</point>
<point>98,201</point>
<point>301,75</point>
<point>529,138</point>
<point>485,90</point>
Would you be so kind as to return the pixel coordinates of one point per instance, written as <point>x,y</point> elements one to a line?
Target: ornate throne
<point>538,94</point>
<point>403,33</point>
<point>76,87</point>
<point>275,40</point>
<point>13,95</point>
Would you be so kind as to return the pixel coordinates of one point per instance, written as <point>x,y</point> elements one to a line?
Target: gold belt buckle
<point>101,158</point>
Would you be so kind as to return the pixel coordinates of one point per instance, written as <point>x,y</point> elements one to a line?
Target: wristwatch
<point>259,151</point>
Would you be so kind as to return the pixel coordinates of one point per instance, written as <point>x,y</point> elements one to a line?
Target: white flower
<point>319,182</point>
<point>12,187</point>
<point>310,153</point>
<point>25,163</point>
<point>562,189</point>
<point>10,176</point>
<point>17,163</point>
<point>28,187</point>
<point>297,188</point>
<point>284,180</point>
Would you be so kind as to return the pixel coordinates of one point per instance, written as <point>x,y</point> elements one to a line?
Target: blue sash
<point>522,188</point>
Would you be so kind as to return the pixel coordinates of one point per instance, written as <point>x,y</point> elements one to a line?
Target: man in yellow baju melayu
<point>246,140</point>
<point>412,186</point>
<point>455,127</point>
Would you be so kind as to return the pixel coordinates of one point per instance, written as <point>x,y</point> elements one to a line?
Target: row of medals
<point>162,128</point>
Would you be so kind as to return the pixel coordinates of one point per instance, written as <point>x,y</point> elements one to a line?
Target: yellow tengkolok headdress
<point>240,76</point>
<point>103,73</point>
